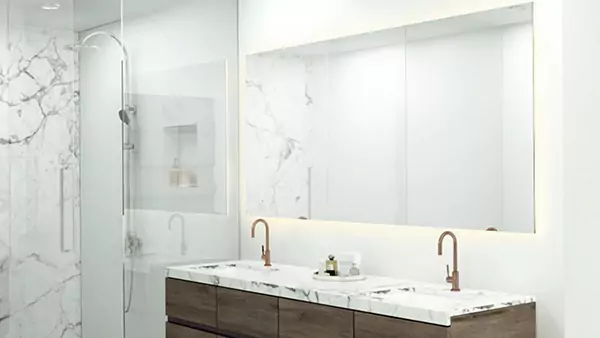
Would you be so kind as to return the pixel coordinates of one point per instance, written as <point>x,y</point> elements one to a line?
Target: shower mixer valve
<point>133,244</point>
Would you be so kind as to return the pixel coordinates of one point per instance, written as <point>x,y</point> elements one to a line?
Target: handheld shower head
<point>124,116</point>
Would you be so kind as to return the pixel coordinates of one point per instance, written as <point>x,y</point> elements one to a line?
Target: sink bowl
<point>237,266</point>
<point>436,296</point>
<point>431,290</point>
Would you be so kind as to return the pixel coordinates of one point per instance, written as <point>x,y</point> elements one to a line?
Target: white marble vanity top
<point>428,303</point>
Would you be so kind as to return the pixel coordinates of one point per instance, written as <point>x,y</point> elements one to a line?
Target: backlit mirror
<point>428,125</point>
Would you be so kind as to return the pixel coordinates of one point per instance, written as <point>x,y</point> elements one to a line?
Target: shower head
<point>78,47</point>
<point>90,36</point>
<point>124,116</point>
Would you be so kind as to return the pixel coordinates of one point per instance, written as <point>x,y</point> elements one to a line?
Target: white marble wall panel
<point>38,102</point>
<point>277,128</point>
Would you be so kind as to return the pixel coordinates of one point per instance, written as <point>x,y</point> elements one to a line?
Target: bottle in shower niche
<point>175,173</point>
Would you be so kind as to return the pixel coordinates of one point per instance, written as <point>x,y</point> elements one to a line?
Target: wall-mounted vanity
<point>248,300</point>
<point>430,124</point>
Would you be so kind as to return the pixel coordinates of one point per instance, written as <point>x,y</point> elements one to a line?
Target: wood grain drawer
<point>511,322</point>
<point>305,320</point>
<point>176,331</point>
<point>193,302</point>
<point>250,314</point>
<point>373,326</point>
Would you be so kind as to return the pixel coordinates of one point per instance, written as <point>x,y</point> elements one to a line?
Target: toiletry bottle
<point>354,271</point>
<point>174,174</point>
<point>332,266</point>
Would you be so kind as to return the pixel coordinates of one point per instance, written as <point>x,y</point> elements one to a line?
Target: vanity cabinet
<point>177,331</point>
<point>197,310</point>
<point>510,322</point>
<point>301,320</point>
<point>373,326</point>
<point>192,302</point>
<point>252,314</point>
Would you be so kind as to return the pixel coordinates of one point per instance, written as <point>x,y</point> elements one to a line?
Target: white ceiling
<point>80,15</point>
<point>88,14</point>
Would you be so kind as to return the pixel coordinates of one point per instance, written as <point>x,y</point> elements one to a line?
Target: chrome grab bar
<point>61,203</point>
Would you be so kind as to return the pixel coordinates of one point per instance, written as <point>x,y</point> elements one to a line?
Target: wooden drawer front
<point>512,322</point>
<point>176,331</point>
<point>372,326</point>
<point>193,302</point>
<point>247,313</point>
<point>305,320</point>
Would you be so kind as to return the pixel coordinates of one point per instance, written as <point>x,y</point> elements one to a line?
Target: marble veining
<point>39,138</point>
<point>280,106</point>
<point>423,302</point>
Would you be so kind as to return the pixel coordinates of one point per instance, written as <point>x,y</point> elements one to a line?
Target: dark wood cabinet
<point>193,302</point>
<point>176,331</point>
<point>251,314</point>
<point>204,311</point>
<point>305,320</point>
<point>511,322</point>
<point>373,326</point>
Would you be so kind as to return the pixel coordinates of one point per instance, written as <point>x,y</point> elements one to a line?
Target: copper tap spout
<point>455,278</point>
<point>266,254</point>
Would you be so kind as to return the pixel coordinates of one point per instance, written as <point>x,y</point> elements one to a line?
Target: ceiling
<point>81,15</point>
<point>88,14</point>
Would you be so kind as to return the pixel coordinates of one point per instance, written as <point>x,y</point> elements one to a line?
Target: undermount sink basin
<point>443,298</point>
<point>421,290</point>
<point>238,266</point>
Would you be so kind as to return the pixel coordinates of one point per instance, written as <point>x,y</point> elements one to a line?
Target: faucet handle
<point>263,252</point>
<point>448,277</point>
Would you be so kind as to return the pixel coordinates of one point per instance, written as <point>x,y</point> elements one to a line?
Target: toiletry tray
<point>324,278</point>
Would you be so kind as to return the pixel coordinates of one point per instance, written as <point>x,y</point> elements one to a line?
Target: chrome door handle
<point>64,245</point>
<point>61,205</point>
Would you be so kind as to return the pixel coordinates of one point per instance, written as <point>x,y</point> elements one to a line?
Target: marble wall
<point>280,107</point>
<point>39,192</point>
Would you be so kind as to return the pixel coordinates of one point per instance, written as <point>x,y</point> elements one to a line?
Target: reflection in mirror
<point>179,136</point>
<point>428,125</point>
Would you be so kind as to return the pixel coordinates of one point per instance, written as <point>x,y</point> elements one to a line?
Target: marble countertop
<point>423,302</point>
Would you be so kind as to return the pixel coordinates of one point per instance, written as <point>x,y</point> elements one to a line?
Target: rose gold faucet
<point>266,254</point>
<point>454,279</point>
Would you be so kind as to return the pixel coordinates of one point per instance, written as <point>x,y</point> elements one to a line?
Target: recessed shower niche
<point>429,124</point>
<point>181,129</point>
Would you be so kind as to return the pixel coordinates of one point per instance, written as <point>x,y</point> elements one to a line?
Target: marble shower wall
<point>39,157</point>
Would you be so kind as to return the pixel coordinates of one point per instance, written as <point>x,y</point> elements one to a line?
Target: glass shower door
<point>39,172</point>
<point>158,94</point>
<point>182,207</point>
<point>102,57</point>
<point>5,306</point>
